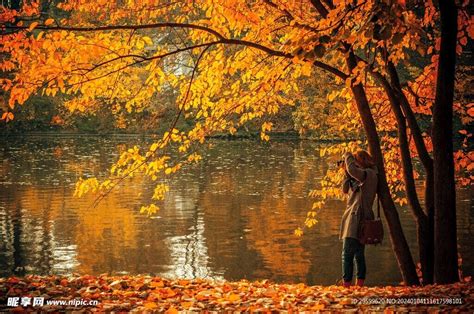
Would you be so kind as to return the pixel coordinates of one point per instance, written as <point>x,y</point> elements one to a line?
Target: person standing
<point>360,184</point>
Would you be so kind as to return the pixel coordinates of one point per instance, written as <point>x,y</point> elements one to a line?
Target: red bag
<point>371,231</point>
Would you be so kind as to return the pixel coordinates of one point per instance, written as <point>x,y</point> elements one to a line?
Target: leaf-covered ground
<point>154,294</point>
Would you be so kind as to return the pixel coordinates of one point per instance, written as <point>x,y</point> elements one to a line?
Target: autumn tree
<point>231,62</point>
<point>405,106</point>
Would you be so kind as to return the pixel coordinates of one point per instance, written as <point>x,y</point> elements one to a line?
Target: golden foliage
<point>226,63</point>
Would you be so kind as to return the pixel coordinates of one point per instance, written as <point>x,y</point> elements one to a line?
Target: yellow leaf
<point>157,284</point>
<point>318,307</point>
<point>48,22</point>
<point>186,305</point>
<point>147,40</point>
<point>299,232</point>
<point>140,44</point>
<point>32,26</point>
<point>345,301</point>
<point>233,297</point>
<point>348,82</point>
<point>322,152</point>
<point>172,310</point>
<point>333,95</point>
<point>150,305</point>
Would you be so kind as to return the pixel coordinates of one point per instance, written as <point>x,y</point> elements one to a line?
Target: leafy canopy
<point>226,63</point>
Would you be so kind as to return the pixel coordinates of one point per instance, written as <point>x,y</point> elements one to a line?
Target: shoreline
<point>291,136</point>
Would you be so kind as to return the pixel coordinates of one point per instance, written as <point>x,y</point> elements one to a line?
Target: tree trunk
<point>424,229</point>
<point>427,162</point>
<point>429,209</point>
<point>399,243</point>
<point>446,259</point>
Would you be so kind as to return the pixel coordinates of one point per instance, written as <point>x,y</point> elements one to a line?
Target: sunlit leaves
<point>298,232</point>
<point>266,127</point>
<point>149,209</point>
<point>48,22</point>
<point>218,79</point>
<point>32,26</point>
<point>84,186</point>
<point>7,116</point>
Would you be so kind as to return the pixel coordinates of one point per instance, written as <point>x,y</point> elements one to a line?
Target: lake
<point>230,217</point>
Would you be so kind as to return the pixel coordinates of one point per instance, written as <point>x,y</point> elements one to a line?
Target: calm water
<point>231,217</point>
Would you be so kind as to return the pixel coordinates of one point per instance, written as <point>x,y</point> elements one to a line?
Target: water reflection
<point>230,217</point>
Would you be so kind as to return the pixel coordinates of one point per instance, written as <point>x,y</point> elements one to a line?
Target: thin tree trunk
<point>397,237</point>
<point>426,245</point>
<point>424,233</point>
<point>429,184</point>
<point>446,259</point>
<point>411,119</point>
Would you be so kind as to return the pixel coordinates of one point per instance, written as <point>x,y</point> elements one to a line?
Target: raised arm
<point>352,169</point>
<point>346,183</point>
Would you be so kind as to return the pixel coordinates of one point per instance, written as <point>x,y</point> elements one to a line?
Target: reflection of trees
<point>262,192</point>
<point>27,234</point>
<point>18,259</point>
<point>224,230</point>
<point>45,230</point>
<point>232,216</point>
<point>104,234</point>
<point>49,231</point>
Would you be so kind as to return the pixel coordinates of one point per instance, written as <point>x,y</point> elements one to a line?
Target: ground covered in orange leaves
<point>141,293</point>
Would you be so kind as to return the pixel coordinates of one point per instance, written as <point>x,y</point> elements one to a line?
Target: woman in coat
<point>360,184</point>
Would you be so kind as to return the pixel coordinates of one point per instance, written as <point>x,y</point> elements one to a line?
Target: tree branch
<point>163,141</point>
<point>320,8</point>
<point>411,119</point>
<point>404,147</point>
<point>222,39</point>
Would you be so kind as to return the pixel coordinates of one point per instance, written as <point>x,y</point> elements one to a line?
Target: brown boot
<point>347,284</point>
<point>360,282</point>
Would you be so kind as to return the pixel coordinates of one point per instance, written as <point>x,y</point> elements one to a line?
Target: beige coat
<point>360,201</point>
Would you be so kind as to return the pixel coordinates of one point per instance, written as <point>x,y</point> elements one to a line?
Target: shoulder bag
<point>371,231</point>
